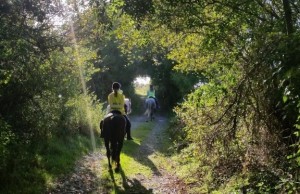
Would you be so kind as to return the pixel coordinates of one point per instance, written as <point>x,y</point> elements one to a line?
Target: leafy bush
<point>82,114</point>
<point>7,138</point>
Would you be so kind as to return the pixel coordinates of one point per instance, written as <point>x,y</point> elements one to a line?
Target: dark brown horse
<point>114,133</point>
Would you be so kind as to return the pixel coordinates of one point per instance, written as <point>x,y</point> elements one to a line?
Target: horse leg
<point>147,110</point>
<point>118,153</point>
<point>147,116</point>
<point>108,154</point>
<point>151,114</point>
<point>114,150</point>
<point>153,109</point>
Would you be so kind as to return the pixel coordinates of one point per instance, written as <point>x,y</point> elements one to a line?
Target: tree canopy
<point>247,99</point>
<point>228,69</point>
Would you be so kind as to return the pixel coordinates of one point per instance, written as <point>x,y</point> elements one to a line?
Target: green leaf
<point>284,98</point>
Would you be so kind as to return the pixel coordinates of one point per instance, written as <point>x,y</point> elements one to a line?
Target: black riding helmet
<point>116,86</point>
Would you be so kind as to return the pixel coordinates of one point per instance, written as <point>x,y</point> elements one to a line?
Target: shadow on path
<point>130,186</point>
<point>141,156</point>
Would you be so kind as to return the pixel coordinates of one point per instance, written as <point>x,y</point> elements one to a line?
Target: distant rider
<point>151,94</point>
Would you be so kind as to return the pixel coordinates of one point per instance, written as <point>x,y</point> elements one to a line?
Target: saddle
<point>109,115</point>
<point>113,113</point>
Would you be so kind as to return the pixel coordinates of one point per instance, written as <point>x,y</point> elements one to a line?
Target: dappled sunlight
<point>84,88</point>
<point>139,156</point>
<point>131,153</point>
<point>213,88</point>
<point>135,166</point>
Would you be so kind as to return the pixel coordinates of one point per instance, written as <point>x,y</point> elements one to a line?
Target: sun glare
<point>142,80</point>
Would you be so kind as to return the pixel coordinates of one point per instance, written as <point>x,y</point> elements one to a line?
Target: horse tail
<point>147,112</point>
<point>118,123</point>
<point>148,108</point>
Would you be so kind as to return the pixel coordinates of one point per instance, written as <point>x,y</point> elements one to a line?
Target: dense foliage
<point>41,93</point>
<point>242,120</point>
<point>229,69</point>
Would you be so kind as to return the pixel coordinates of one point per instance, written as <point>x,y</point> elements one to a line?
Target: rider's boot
<point>128,126</point>
<point>128,132</point>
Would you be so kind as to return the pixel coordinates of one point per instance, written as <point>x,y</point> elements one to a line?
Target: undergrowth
<point>228,174</point>
<point>38,170</point>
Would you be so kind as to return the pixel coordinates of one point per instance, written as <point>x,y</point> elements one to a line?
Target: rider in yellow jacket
<point>116,101</point>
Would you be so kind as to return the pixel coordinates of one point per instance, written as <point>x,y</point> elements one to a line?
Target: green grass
<point>37,171</point>
<point>130,150</point>
<point>62,153</point>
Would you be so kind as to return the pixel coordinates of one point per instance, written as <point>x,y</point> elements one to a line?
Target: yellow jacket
<point>117,102</point>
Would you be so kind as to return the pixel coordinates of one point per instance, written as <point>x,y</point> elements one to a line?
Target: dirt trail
<point>161,181</point>
<point>84,178</point>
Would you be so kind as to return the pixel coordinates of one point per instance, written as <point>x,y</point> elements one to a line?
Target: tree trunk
<point>288,17</point>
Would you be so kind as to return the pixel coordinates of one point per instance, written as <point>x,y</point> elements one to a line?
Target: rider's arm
<point>109,100</point>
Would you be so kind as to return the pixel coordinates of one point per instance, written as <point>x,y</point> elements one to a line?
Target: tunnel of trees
<point>229,70</point>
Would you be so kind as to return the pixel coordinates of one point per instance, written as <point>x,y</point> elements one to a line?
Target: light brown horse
<point>150,108</point>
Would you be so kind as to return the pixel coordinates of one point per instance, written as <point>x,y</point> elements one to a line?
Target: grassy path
<point>154,153</point>
<point>145,165</point>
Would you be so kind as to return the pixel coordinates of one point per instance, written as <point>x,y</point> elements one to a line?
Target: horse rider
<point>151,94</point>
<point>116,101</point>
